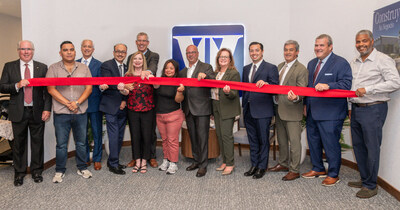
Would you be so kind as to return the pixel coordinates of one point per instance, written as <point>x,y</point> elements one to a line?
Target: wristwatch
<point>77,103</point>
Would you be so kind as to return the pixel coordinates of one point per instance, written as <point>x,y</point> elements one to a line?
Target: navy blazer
<point>95,96</point>
<point>111,98</point>
<point>337,74</point>
<point>261,104</point>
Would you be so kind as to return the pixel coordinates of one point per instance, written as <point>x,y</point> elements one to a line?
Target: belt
<point>28,107</point>
<point>369,104</point>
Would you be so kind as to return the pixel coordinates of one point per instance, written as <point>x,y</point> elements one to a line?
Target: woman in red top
<point>140,112</point>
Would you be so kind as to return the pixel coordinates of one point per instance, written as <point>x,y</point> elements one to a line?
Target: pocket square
<point>328,74</point>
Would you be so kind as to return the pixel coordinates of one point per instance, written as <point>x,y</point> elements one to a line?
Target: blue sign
<point>208,39</point>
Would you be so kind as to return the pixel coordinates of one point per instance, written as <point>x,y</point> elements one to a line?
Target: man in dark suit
<point>142,43</point>
<point>197,109</point>
<point>29,108</point>
<point>289,112</point>
<point>325,116</point>
<point>113,105</point>
<point>258,109</point>
<point>94,115</point>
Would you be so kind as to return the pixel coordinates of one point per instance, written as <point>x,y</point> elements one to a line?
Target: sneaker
<point>164,165</point>
<point>85,173</point>
<point>58,177</point>
<point>172,168</point>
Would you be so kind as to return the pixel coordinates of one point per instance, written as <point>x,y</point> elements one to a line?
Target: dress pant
<point>324,134</point>
<point>199,128</point>
<point>63,123</point>
<point>258,135</point>
<point>289,139</point>
<point>224,130</point>
<point>20,148</point>
<point>154,137</point>
<point>141,129</point>
<point>96,123</point>
<point>366,133</point>
<point>115,129</point>
<point>169,125</point>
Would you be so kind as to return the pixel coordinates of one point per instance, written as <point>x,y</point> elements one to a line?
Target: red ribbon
<point>274,89</point>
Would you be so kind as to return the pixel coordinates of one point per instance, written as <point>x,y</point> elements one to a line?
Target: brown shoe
<point>291,176</point>
<point>329,181</point>
<point>278,168</point>
<point>97,166</point>
<point>89,163</point>
<point>131,164</point>
<point>313,174</point>
<point>367,193</point>
<point>153,163</point>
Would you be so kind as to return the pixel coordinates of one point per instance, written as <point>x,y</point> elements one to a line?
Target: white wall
<point>48,23</point>
<point>10,32</point>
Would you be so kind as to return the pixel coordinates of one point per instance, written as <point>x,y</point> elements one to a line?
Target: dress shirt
<point>251,69</point>
<point>70,92</point>
<point>88,60</point>
<point>191,70</point>
<point>22,70</point>
<point>377,74</point>
<point>322,64</point>
<point>289,65</point>
<point>118,64</point>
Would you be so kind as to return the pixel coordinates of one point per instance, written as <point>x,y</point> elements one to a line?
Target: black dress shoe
<point>117,170</point>
<point>259,174</point>
<point>37,178</point>
<point>119,166</point>
<point>201,172</point>
<point>251,172</point>
<point>192,167</point>
<point>18,181</point>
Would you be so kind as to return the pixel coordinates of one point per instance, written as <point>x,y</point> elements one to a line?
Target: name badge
<point>328,74</point>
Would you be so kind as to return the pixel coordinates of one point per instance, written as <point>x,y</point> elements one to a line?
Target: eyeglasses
<point>28,49</point>
<point>223,57</point>
<point>120,52</point>
<point>142,41</point>
<point>192,52</point>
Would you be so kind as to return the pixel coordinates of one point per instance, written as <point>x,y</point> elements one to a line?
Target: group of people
<point>372,75</point>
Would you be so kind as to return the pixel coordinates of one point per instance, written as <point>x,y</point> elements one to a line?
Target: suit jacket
<point>95,96</point>
<point>296,76</point>
<point>337,74</point>
<point>41,98</point>
<point>198,99</point>
<point>230,103</point>
<point>261,104</point>
<point>111,98</point>
<point>151,60</point>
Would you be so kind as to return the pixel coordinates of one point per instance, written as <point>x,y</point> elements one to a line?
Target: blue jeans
<point>63,124</point>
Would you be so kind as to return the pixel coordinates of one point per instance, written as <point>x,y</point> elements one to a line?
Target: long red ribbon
<point>274,89</point>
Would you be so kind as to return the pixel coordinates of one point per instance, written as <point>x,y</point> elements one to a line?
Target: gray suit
<point>288,117</point>
<point>197,109</point>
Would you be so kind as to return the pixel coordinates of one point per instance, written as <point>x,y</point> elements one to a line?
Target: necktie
<point>28,90</point>
<point>120,70</point>
<point>253,73</point>
<point>283,70</point>
<point>85,62</point>
<point>316,71</point>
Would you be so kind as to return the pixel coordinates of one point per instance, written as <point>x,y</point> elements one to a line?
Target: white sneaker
<point>164,165</point>
<point>58,177</point>
<point>85,173</point>
<point>173,168</point>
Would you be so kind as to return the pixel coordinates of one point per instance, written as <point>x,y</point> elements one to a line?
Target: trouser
<point>199,128</point>
<point>140,127</point>
<point>115,129</point>
<point>224,130</point>
<point>96,123</point>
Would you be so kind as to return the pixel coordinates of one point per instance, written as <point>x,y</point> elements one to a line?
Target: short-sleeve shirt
<point>70,92</point>
<point>141,98</point>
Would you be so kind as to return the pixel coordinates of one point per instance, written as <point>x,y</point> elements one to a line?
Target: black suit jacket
<point>198,99</point>
<point>151,60</point>
<point>111,98</point>
<point>261,104</point>
<point>41,98</point>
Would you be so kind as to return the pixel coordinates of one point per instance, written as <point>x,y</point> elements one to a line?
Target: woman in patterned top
<point>141,105</point>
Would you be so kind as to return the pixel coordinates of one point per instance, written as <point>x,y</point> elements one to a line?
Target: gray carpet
<point>156,190</point>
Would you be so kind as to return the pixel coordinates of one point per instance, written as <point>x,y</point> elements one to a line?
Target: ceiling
<point>11,8</point>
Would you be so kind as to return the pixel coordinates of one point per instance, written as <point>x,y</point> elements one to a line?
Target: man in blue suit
<point>325,116</point>
<point>113,105</point>
<point>95,117</point>
<point>258,109</point>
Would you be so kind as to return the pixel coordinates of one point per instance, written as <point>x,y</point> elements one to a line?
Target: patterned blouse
<point>141,98</point>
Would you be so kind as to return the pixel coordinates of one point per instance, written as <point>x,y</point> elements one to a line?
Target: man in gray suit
<point>289,112</point>
<point>142,43</point>
<point>197,109</point>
